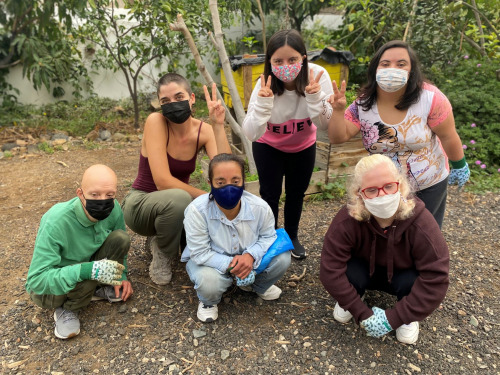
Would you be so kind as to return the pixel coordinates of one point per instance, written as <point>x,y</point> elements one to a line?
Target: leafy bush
<point>472,88</point>
<point>76,118</point>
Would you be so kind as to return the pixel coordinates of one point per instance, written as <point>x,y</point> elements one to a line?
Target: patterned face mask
<point>287,73</point>
<point>391,79</point>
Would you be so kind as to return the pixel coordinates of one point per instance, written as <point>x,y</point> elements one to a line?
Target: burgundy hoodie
<point>416,242</point>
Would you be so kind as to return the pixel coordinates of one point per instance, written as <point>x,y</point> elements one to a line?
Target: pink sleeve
<point>351,114</point>
<point>440,107</point>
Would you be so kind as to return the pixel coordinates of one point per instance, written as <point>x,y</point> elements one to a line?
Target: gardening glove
<point>460,173</point>
<point>105,271</point>
<point>247,280</point>
<point>376,325</point>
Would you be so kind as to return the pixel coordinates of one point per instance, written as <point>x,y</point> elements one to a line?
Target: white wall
<point>113,84</point>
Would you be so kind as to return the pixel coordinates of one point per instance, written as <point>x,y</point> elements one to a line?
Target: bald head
<point>98,174</point>
<point>98,182</point>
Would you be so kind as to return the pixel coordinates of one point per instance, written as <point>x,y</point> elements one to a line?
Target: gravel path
<point>157,330</point>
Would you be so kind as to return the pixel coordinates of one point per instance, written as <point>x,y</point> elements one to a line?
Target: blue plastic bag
<point>280,245</point>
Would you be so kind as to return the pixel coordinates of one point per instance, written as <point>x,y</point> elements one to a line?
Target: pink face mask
<point>287,73</point>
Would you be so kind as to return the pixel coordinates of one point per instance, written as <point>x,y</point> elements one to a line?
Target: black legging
<point>434,198</point>
<point>358,273</point>
<point>297,167</point>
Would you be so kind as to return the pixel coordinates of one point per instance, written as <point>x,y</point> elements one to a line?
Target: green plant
<point>199,179</point>
<point>89,145</point>
<point>7,154</point>
<point>472,88</point>
<point>249,42</point>
<point>336,189</point>
<point>45,147</point>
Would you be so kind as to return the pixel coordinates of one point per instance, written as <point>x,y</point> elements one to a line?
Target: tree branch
<point>490,25</point>
<point>474,45</point>
<point>179,25</point>
<point>479,25</point>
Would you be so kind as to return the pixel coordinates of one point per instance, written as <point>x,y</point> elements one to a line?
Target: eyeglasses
<point>373,191</point>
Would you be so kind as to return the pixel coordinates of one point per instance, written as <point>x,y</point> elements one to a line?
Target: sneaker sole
<point>112,300</point>
<point>299,257</point>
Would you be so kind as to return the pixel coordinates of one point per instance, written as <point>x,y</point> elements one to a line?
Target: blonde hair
<point>356,205</point>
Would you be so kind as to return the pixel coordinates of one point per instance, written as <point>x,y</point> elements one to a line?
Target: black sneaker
<point>298,251</point>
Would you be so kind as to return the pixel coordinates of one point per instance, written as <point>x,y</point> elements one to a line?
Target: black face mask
<point>176,112</point>
<point>99,209</point>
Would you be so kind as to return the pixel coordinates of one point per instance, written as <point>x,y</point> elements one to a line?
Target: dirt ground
<point>157,330</point>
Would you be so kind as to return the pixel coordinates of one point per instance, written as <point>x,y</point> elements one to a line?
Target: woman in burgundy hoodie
<point>384,239</point>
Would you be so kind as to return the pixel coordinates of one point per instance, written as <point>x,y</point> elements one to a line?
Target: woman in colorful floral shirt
<point>409,120</point>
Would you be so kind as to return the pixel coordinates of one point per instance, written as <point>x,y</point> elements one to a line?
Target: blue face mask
<point>227,196</point>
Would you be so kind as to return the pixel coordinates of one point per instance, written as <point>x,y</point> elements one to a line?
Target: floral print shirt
<point>411,144</point>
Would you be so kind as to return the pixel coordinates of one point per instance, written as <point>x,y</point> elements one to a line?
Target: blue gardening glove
<point>460,173</point>
<point>376,325</point>
<point>247,280</point>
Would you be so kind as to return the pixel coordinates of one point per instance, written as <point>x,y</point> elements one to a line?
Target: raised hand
<point>313,87</point>
<point>265,87</point>
<point>338,100</point>
<point>216,110</point>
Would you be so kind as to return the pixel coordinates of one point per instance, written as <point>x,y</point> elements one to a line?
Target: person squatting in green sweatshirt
<point>81,252</point>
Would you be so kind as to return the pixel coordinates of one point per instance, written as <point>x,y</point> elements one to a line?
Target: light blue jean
<point>210,284</point>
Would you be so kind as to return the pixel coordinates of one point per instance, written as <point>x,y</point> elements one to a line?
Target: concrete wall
<point>113,84</point>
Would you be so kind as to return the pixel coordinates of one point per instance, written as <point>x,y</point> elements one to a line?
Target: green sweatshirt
<point>66,238</point>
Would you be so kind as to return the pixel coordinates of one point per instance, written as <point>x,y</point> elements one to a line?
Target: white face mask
<point>383,207</point>
<point>391,79</point>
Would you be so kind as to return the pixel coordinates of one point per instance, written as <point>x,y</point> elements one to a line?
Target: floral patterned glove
<point>376,325</point>
<point>247,280</point>
<point>460,173</point>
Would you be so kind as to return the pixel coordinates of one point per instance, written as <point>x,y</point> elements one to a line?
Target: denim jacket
<point>213,240</point>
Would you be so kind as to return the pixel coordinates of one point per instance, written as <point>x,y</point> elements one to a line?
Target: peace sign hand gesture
<point>338,100</point>
<point>313,87</point>
<point>216,110</point>
<point>265,87</point>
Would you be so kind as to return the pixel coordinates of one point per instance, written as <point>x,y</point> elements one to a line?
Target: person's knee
<point>179,200</point>
<point>283,261</point>
<point>209,282</point>
<point>279,264</point>
<point>120,238</point>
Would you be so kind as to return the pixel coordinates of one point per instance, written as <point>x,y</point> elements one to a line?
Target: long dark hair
<point>174,77</point>
<point>368,93</point>
<point>293,39</point>
<point>224,158</point>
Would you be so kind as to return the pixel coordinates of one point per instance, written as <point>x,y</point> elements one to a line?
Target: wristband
<point>86,270</point>
<point>458,164</point>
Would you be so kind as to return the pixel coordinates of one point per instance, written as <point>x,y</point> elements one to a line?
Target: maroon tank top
<point>180,169</point>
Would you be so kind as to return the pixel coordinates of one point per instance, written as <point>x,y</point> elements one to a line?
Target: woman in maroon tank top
<point>160,193</point>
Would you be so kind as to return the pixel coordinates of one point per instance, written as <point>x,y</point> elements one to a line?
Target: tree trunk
<point>263,20</point>
<point>235,126</point>
<point>407,34</point>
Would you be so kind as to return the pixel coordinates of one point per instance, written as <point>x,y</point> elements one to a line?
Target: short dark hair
<point>368,93</point>
<point>224,158</point>
<point>293,39</point>
<point>174,77</point>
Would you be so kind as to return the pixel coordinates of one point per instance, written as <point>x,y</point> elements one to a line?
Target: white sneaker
<point>408,333</point>
<point>207,313</point>
<point>341,315</point>
<point>67,323</point>
<point>160,269</point>
<point>272,293</point>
